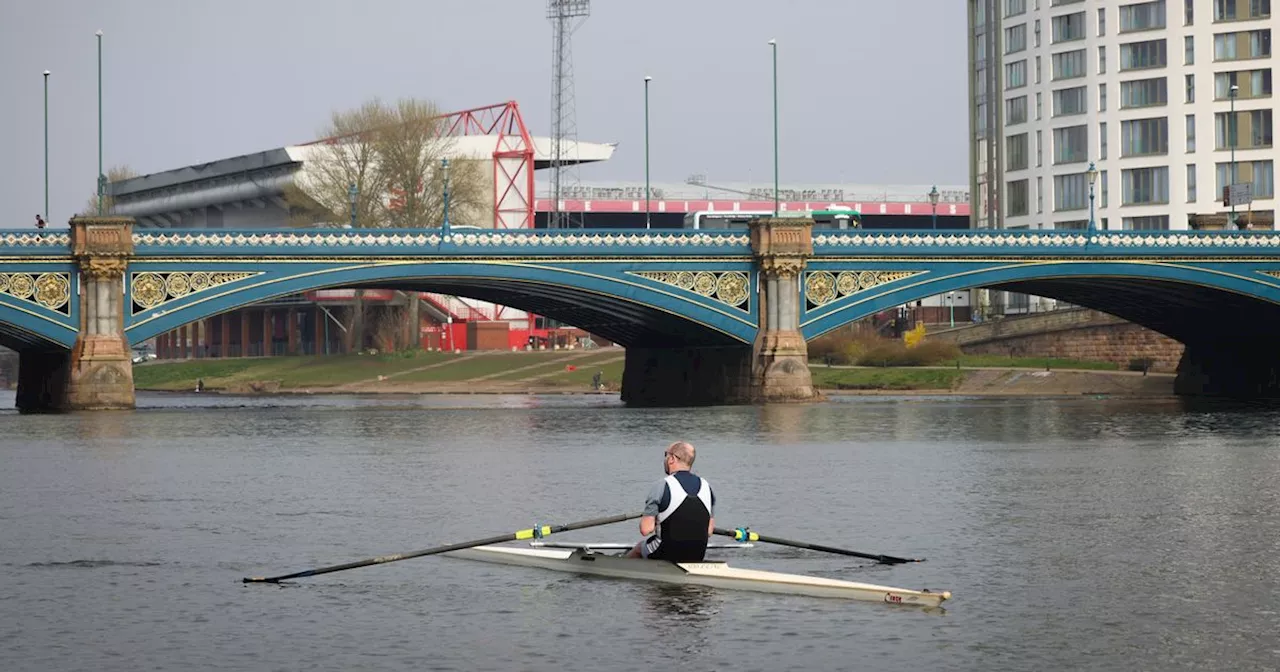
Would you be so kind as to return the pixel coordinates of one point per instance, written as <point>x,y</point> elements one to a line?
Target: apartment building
<point>1170,100</point>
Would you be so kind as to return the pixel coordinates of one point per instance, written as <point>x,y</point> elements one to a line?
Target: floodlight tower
<point>565,16</point>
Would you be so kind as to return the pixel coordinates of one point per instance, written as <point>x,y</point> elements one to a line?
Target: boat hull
<point>711,574</point>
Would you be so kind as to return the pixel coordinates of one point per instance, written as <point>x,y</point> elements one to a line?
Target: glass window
<point>1142,16</point>
<point>1039,149</point>
<point>1144,137</point>
<point>1145,185</point>
<point>1071,144</point>
<point>1252,83</point>
<point>1039,106</point>
<point>1139,55</point>
<point>1258,132</point>
<point>1015,7</point>
<point>1191,88</point>
<point>1069,64</point>
<point>1015,74</point>
<point>1015,110</point>
<point>1188,50</point>
<point>1102,21</point>
<point>1102,140</point>
<point>1260,174</point>
<point>1068,27</point>
<point>1017,198</point>
<point>1037,33</point>
<point>1015,39</point>
<point>1102,97</point>
<point>1234,46</point>
<point>1070,192</point>
<point>1069,101</point>
<point>1016,153</point>
<point>1150,223</point>
<point>1190,11</point>
<point>1144,93</point>
<point>1102,191</point>
<point>1224,10</point>
<point>1102,60</point>
<point>1191,183</point>
<point>1191,133</point>
<point>1039,194</point>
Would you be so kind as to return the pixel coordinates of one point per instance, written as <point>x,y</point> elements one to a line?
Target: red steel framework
<point>513,161</point>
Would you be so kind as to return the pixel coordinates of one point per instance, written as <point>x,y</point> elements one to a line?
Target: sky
<point>869,92</point>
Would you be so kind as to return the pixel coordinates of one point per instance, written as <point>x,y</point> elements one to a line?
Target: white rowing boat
<point>712,574</point>
<point>615,546</point>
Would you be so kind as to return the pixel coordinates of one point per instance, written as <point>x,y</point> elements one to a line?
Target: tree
<point>114,174</point>
<point>392,154</point>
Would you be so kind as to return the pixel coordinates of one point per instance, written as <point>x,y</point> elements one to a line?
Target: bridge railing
<point>26,241</point>
<point>1006,242</point>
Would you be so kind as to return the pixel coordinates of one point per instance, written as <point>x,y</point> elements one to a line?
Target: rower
<point>679,512</point>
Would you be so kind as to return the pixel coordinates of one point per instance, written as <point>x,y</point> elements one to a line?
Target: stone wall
<point>1075,334</point>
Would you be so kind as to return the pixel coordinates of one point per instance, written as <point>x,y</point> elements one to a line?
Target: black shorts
<point>655,548</point>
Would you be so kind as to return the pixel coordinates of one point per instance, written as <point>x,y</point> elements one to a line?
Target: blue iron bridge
<point>659,288</point>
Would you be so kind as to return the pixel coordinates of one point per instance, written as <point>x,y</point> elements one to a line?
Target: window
<point>1068,27</point>
<point>1224,10</point>
<point>1071,144</point>
<point>1188,50</point>
<point>1151,223</point>
<point>1144,137</point>
<point>1190,11</point>
<point>1139,55</point>
<point>1102,60</point>
<point>1016,153</point>
<point>1038,64</point>
<point>1145,185</point>
<point>1069,64</point>
<point>1252,83</point>
<point>1102,192</point>
<point>1260,174</point>
<point>1259,9</point>
<point>1039,195</point>
<point>1039,149</point>
<point>1257,129</point>
<point>1015,39</point>
<point>1071,225</point>
<point>1191,133</point>
<point>1236,46</point>
<point>1102,97</point>
<point>1191,88</point>
<point>1015,74</point>
<point>1070,192</point>
<point>1069,101</point>
<point>1015,110</point>
<point>1102,21</point>
<point>1039,106</point>
<point>1014,7</point>
<point>1144,93</point>
<point>1017,198</point>
<point>1142,16</point>
<point>1228,10</point>
<point>1191,183</point>
<point>1037,34</point>
<point>1102,140</point>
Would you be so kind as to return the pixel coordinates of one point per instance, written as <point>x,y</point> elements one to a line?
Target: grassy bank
<point>886,379</point>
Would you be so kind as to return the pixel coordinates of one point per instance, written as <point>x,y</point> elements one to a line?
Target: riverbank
<point>575,372</point>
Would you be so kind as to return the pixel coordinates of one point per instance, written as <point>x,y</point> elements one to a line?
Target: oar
<point>531,533</point>
<point>743,534</point>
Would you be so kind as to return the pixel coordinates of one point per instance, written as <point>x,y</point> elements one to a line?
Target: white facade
<point>1141,89</point>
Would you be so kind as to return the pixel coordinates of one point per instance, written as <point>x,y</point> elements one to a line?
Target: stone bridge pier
<point>97,373</point>
<point>774,368</point>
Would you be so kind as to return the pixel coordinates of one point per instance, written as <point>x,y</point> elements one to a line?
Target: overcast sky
<point>870,92</point>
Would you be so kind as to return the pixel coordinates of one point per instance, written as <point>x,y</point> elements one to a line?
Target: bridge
<point>706,316</point>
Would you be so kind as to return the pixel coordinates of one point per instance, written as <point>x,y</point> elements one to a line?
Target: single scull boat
<point>711,574</point>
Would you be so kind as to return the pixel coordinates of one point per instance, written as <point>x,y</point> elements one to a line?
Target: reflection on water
<point>1083,533</point>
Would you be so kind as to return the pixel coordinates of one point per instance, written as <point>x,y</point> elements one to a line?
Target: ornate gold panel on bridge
<point>151,290</point>
<point>727,287</point>
<point>823,287</point>
<point>1274,274</point>
<point>48,290</point>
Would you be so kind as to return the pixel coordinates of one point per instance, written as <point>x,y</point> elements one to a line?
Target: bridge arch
<point>615,300</point>
<point>1188,301</point>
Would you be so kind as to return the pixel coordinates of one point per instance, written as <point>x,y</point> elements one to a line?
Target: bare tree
<point>114,174</point>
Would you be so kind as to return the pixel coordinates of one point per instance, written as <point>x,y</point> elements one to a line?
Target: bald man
<point>679,513</point>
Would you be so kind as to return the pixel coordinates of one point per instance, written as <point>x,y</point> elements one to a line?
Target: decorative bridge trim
<point>823,287</point>
<point>149,289</point>
<point>11,239</point>
<point>1125,240</point>
<point>47,290</point>
<point>730,287</point>
<point>330,238</point>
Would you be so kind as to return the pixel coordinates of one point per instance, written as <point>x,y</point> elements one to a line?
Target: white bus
<point>835,218</point>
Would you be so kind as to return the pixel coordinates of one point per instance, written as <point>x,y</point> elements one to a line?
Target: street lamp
<point>1093,177</point>
<point>1235,90</point>
<point>102,177</point>
<point>933,199</point>
<point>951,299</point>
<point>353,195</point>
<point>647,79</point>
<point>46,145</point>
<point>444,163</point>
<point>774,45</point>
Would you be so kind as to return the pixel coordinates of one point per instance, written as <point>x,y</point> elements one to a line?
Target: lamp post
<point>1235,90</point>
<point>951,299</point>
<point>647,79</point>
<point>774,45</point>
<point>933,199</point>
<point>102,177</point>
<point>353,195</point>
<point>444,163</point>
<point>1093,177</point>
<point>46,145</point>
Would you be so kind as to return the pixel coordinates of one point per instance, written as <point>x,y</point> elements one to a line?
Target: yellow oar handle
<point>534,532</point>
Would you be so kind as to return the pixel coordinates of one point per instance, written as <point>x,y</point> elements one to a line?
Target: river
<point>1079,533</point>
